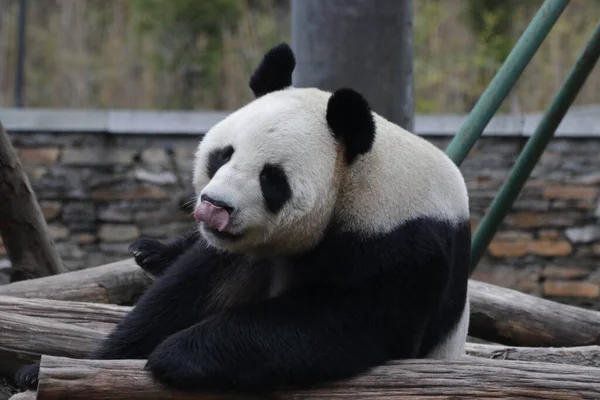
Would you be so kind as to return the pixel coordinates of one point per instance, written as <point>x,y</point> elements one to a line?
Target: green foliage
<point>191,31</point>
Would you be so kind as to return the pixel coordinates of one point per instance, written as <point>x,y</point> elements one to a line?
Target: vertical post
<point>505,78</point>
<point>535,146</point>
<point>366,45</point>
<point>21,41</point>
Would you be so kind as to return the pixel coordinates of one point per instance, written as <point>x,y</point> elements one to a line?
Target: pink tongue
<point>214,216</point>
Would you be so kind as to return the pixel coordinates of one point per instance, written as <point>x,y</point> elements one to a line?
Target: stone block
<point>112,233</point>
<point>570,192</point>
<point>513,236</point>
<point>58,231</point>
<point>571,289</point>
<point>508,249</point>
<point>155,156</point>
<point>531,205</point>
<point>524,279</point>
<point>116,213</point>
<point>95,156</point>
<point>549,234</point>
<point>538,220</point>
<point>60,183</point>
<point>40,155</point>
<point>79,211</point>
<point>547,248</point>
<point>583,234</point>
<point>81,226</point>
<point>588,179</point>
<point>50,209</point>
<point>84,238</point>
<point>121,249</point>
<point>157,178</point>
<point>115,193</point>
<point>564,272</point>
<point>34,173</point>
<point>70,251</point>
<point>550,248</point>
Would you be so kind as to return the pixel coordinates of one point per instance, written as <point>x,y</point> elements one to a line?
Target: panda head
<point>267,177</point>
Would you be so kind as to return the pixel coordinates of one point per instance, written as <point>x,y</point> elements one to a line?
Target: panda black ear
<point>274,71</point>
<point>350,120</point>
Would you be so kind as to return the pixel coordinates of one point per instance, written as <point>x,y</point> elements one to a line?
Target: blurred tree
<point>366,45</point>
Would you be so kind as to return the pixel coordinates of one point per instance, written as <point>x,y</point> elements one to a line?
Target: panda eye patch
<point>275,187</point>
<point>217,158</point>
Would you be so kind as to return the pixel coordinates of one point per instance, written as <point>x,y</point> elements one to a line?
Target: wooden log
<point>52,317</point>
<point>468,378</point>
<point>22,224</point>
<point>121,282</point>
<point>582,355</point>
<point>23,339</point>
<point>512,318</point>
<point>498,314</point>
<point>92,315</point>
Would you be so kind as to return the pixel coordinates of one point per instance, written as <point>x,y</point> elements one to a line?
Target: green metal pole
<point>504,80</point>
<point>535,146</point>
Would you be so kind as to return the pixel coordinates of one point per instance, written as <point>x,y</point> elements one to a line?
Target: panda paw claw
<point>151,255</point>
<point>26,378</point>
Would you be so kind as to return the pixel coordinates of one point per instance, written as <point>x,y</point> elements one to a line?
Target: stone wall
<point>100,191</point>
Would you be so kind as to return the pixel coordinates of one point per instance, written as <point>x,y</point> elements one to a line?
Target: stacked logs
<point>544,349</point>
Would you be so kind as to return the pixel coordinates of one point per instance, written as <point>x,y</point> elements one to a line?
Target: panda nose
<point>217,203</point>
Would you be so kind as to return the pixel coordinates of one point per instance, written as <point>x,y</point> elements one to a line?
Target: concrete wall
<point>105,178</point>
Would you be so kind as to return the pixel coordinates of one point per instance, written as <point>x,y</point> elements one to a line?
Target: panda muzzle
<point>212,215</point>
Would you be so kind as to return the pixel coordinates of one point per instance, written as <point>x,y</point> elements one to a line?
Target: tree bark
<point>498,315</point>
<point>23,339</point>
<point>121,282</point>
<point>75,333</point>
<point>22,224</point>
<point>468,378</point>
<point>512,318</point>
<point>582,355</point>
<point>91,315</point>
<point>365,45</point>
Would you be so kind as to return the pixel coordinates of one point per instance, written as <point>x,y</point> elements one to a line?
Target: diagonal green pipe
<point>535,146</point>
<point>504,80</point>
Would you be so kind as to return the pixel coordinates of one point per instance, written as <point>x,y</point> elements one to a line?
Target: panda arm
<point>174,302</point>
<point>155,257</point>
<point>294,339</point>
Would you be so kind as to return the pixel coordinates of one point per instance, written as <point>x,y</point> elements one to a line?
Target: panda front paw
<point>26,378</point>
<point>172,365</point>
<point>151,255</point>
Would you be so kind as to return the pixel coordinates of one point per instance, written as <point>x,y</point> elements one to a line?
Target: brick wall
<point>99,192</point>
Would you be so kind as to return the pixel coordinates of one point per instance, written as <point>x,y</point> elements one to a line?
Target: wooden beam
<point>91,315</point>
<point>467,378</point>
<point>582,355</point>
<point>509,317</point>
<point>498,315</point>
<point>23,339</point>
<point>121,282</point>
<point>22,224</point>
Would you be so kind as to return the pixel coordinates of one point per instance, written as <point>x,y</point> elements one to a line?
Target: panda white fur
<point>330,241</point>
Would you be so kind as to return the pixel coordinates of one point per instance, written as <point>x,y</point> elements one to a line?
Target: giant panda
<point>329,241</point>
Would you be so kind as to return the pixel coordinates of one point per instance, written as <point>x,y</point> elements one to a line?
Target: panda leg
<point>155,257</point>
<point>174,302</point>
<point>284,341</point>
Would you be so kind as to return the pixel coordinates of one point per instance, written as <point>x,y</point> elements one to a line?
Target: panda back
<point>404,177</point>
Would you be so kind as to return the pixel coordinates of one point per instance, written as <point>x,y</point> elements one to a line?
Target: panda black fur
<point>347,245</point>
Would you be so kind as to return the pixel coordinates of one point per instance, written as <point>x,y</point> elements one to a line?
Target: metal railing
<point>492,98</point>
